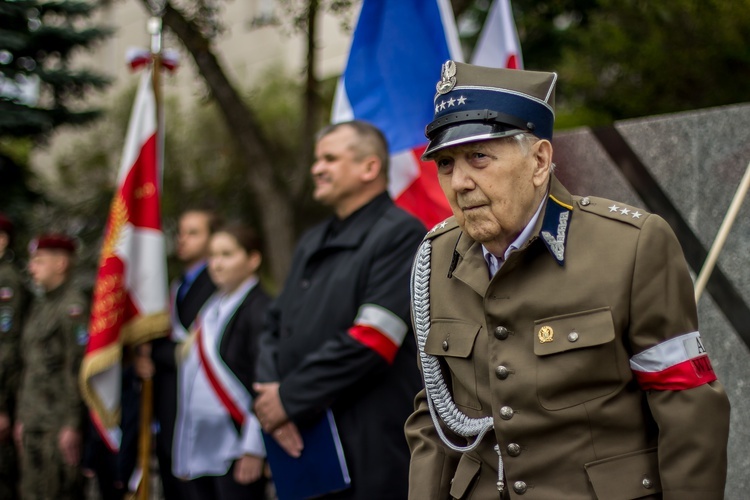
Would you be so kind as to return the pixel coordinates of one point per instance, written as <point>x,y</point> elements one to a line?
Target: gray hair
<point>524,141</point>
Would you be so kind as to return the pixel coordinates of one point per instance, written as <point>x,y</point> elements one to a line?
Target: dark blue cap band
<point>515,109</point>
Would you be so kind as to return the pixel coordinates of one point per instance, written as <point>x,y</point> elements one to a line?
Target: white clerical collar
<point>494,263</point>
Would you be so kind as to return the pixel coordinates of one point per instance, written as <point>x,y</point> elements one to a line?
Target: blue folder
<point>320,469</point>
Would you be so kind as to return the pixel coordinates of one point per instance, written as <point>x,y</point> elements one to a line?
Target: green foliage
<point>627,58</point>
<point>37,40</point>
<point>643,58</point>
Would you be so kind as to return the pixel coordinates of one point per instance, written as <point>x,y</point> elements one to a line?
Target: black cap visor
<point>467,132</point>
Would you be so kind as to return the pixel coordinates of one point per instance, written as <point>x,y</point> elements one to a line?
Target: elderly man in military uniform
<point>50,409</point>
<point>12,302</point>
<point>558,335</point>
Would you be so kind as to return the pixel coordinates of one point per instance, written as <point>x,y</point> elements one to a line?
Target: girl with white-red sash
<point>218,447</point>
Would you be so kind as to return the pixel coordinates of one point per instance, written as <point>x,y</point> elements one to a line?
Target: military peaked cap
<point>474,103</point>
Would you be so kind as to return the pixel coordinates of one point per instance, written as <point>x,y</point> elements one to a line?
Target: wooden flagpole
<point>147,384</point>
<point>721,237</point>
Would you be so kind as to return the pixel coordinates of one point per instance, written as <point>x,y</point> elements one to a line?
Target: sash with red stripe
<point>217,375</point>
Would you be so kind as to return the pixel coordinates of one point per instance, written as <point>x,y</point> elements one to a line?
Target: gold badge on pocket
<point>546,334</point>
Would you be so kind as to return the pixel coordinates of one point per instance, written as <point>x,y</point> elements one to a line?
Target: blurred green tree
<point>39,87</point>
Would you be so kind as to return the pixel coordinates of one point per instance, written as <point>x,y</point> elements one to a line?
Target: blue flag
<point>394,63</point>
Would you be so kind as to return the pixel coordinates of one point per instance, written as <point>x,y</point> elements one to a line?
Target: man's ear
<point>541,152</point>
<point>371,168</point>
<point>63,263</point>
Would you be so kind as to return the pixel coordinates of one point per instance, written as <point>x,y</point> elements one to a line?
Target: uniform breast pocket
<point>453,341</point>
<point>576,358</point>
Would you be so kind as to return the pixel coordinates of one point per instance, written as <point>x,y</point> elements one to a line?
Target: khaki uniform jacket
<point>569,418</point>
<point>52,344</point>
<point>12,303</point>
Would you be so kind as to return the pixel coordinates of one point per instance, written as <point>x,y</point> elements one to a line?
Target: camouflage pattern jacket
<point>12,302</point>
<point>52,345</point>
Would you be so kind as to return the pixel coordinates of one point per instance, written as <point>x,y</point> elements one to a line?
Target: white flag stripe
<point>404,170</point>
<point>108,386</point>
<point>498,39</point>
<point>382,320</point>
<point>666,354</point>
<point>342,108</point>
<point>451,32</point>
<point>142,126</point>
<point>145,279</point>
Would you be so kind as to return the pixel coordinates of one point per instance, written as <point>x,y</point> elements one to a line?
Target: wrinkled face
<point>336,171</point>
<point>193,233</point>
<point>48,267</point>
<point>228,262</point>
<point>493,187</point>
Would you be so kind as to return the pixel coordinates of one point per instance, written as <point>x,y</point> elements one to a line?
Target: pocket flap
<point>467,470</point>
<point>451,338</point>
<point>633,475</point>
<point>573,331</point>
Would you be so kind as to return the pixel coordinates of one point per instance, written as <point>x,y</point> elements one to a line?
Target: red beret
<point>52,242</point>
<point>6,225</point>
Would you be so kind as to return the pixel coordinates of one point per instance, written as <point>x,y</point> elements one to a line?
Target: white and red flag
<point>498,45</point>
<point>394,62</point>
<point>130,303</point>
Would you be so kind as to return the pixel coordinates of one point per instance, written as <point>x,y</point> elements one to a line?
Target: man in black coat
<point>188,295</point>
<point>339,334</point>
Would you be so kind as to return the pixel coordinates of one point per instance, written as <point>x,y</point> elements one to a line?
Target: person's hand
<point>268,407</point>
<point>288,437</point>
<point>143,364</point>
<point>69,442</point>
<point>5,430</point>
<point>18,436</point>
<point>248,469</point>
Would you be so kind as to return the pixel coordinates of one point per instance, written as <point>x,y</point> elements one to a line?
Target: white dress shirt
<point>206,441</point>
<point>494,263</point>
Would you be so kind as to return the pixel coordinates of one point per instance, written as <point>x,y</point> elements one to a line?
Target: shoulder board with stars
<point>612,210</point>
<point>442,227</point>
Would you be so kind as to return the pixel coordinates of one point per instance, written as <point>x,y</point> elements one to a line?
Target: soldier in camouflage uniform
<point>50,409</point>
<point>12,301</point>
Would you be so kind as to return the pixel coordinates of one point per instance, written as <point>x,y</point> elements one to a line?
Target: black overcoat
<point>306,345</point>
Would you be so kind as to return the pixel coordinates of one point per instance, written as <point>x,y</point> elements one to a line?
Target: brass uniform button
<point>445,345</point>
<point>585,201</point>
<point>647,483</point>
<point>514,449</point>
<point>572,336</point>
<point>519,487</point>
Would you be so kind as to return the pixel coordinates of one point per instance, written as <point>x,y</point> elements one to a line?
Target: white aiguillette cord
<point>439,399</point>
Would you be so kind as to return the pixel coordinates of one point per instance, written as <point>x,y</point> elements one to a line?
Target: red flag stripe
<point>140,190</point>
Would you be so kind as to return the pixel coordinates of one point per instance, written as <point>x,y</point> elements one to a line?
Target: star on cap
<point>461,100</point>
<point>442,105</point>
<point>451,102</point>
